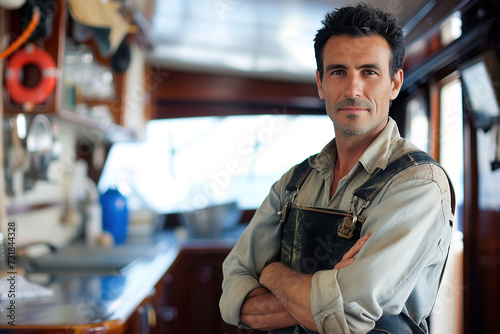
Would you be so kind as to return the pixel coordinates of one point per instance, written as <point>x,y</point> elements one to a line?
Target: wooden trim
<point>57,44</point>
<point>434,110</point>
<point>185,108</point>
<point>117,108</point>
<point>430,23</point>
<point>19,208</point>
<point>421,64</point>
<point>171,84</point>
<point>471,194</point>
<point>148,86</point>
<point>184,94</point>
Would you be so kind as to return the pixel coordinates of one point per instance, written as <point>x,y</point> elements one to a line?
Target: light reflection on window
<point>188,163</point>
<point>451,28</point>
<point>480,89</point>
<point>451,143</point>
<point>480,78</point>
<point>417,123</point>
<point>489,180</point>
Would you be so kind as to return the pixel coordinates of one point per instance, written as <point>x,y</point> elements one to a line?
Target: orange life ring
<point>30,55</point>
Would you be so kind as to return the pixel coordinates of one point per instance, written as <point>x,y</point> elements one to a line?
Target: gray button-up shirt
<point>399,267</point>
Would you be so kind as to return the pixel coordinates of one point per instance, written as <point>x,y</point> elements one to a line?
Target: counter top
<point>86,298</point>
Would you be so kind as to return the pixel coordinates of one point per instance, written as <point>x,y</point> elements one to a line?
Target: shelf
<point>54,44</point>
<point>19,208</point>
<point>111,132</point>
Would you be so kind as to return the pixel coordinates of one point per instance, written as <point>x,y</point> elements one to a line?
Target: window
<point>451,142</point>
<point>447,313</point>
<point>480,77</point>
<point>417,122</point>
<point>451,28</point>
<point>189,163</point>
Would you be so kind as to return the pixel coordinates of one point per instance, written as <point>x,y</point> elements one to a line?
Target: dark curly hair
<point>357,21</point>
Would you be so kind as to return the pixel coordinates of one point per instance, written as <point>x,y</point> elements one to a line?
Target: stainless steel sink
<point>79,258</point>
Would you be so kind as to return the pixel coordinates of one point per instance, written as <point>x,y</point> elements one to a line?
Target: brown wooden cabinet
<point>148,318</point>
<point>192,292</point>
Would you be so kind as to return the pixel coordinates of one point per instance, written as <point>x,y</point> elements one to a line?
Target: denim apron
<point>317,238</point>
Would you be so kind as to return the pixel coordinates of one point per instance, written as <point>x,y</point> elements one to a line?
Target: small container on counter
<point>115,215</point>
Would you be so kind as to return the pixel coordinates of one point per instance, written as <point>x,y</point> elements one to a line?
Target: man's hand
<point>292,289</point>
<point>288,297</point>
<point>261,310</point>
<point>348,257</point>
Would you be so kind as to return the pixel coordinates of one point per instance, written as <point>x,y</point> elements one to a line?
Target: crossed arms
<point>400,263</point>
<point>284,300</point>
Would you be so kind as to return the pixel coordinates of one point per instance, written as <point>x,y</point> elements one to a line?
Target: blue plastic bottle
<point>115,214</point>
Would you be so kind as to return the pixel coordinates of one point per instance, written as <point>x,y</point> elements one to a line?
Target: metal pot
<point>212,220</point>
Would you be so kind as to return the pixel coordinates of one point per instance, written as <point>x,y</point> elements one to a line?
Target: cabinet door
<point>155,309</point>
<point>147,318</point>
<point>192,293</point>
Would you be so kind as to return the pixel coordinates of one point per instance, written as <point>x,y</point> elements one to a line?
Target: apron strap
<point>299,176</point>
<point>368,190</point>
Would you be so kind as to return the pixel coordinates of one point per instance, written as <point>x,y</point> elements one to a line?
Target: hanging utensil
<point>39,147</point>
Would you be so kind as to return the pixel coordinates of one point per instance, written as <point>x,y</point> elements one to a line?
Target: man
<point>357,237</point>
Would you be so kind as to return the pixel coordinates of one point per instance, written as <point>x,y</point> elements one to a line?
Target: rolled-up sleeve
<point>401,263</point>
<point>258,246</point>
<point>327,303</point>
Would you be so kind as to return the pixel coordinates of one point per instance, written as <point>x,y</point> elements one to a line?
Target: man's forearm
<point>293,291</point>
<point>261,310</point>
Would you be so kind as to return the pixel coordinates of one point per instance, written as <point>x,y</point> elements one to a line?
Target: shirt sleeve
<point>258,246</point>
<point>410,229</point>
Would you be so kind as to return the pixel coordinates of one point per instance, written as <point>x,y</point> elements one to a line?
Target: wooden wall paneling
<point>182,108</point>
<point>181,94</point>
<point>207,86</point>
<point>489,269</point>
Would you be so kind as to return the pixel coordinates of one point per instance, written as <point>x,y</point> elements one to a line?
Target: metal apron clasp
<point>289,198</point>
<point>346,230</point>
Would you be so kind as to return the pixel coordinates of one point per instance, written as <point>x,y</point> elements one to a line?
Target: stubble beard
<point>355,128</point>
<point>350,130</point>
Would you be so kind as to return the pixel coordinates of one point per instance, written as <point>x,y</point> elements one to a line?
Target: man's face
<point>356,85</point>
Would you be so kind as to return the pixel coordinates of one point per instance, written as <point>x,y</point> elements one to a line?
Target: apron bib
<point>311,240</point>
<point>316,239</point>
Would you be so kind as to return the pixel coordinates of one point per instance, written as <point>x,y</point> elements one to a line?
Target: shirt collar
<point>376,156</point>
